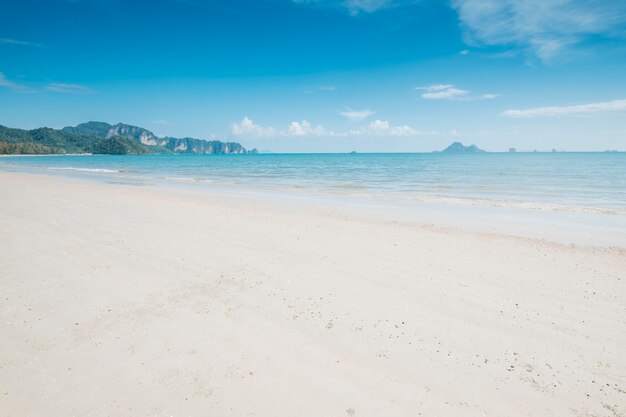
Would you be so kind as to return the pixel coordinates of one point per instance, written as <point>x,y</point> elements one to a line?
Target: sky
<point>324,75</point>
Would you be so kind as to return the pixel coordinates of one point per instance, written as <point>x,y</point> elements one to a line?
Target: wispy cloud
<point>578,110</point>
<point>384,128</point>
<point>368,6</point>
<point>9,41</point>
<point>55,87</point>
<point>546,29</point>
<point>357,115</point>
<point>450,92</point>
<point>377,128</point>
<point>68,88</point>
<point>327,88</point>
<point>442,92</point>
<point>13,85</point>
<point>356,7</point>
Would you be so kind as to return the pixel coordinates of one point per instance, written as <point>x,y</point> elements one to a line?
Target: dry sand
<point>137,301</point>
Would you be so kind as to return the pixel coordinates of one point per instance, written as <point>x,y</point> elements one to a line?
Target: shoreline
<point>588,227</point>
<point>48,154</point>
<point>368,180</point>
<point>126,300</point>
<point>339,153</point>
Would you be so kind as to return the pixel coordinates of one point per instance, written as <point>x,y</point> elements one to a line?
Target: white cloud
<point>12,85</point>
<point>450,92</point>
<point>304,128</point>
<point>377,128</point>
<point>248,128</point>
<point>545,28</point>
<point>357,115</point>
<point>9,41</point>
<point>327,88</point>
<point>68,88</point>
<point>580,110</point>
<point>435,87</point>
<point>383,128</point>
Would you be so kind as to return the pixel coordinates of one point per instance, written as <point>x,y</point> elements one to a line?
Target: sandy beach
<point>142,301</point>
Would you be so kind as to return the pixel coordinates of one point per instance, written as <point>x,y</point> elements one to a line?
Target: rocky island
<point>458,147</point>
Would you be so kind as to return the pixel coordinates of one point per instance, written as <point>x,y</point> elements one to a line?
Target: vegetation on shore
<point>103,138</point>
<point>119,146</point>
<point>26,148</point>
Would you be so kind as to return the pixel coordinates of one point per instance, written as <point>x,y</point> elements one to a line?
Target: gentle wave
<point>350,186</point>
<point>481,202</point>
<point>391,197</point>
<point>179,178</point>
<point>190,179</point>
<point>104,170</point>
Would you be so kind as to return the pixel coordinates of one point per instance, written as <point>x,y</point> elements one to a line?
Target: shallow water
<point>577,182</point>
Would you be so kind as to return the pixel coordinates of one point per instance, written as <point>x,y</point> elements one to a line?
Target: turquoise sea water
<point>582,182</point>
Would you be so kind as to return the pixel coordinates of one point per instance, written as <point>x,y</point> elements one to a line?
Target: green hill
<point>101,137</point>
<point>119,146</point>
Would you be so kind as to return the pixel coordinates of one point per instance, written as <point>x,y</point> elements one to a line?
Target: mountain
<point>101,137</point>
<point>458,147</point>
<point>98,129</point>
<point>106,131</point>
<point>156,144</point>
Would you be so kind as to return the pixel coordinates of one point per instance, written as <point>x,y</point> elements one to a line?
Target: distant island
<point>458,147</point>
<point>103,138</point>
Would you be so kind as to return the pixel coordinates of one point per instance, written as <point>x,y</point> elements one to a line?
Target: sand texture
<point>139,301</point>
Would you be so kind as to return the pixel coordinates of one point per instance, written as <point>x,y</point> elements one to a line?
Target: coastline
<point>135,300</point>
<point>45,154</point>
<point>568,183</point>
<point>583,225</point>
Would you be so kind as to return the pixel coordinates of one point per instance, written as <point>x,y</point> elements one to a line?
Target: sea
<point>567,182</point>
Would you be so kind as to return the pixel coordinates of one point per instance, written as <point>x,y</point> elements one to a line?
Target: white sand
<point>135,301</point>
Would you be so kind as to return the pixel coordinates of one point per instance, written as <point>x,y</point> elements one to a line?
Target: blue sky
<point>324,75</point>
